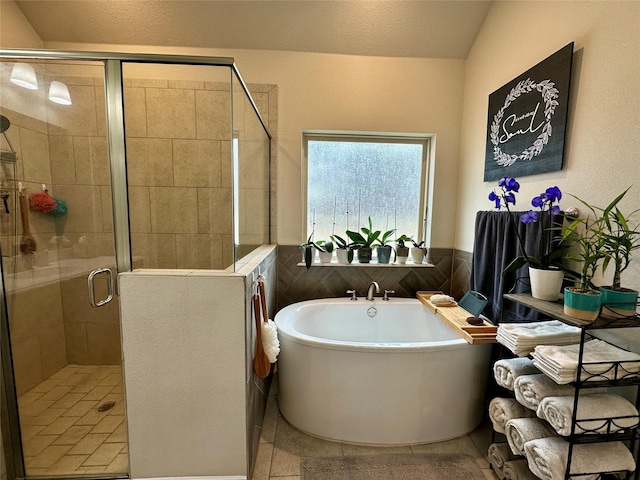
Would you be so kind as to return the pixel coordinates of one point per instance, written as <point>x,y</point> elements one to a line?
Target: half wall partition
<point>143,161</point>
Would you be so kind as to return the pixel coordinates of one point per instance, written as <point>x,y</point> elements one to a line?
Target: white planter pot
<point>418,254</point>
<point>343,256</point>
<point>325,257</point>
<point>545,284</point>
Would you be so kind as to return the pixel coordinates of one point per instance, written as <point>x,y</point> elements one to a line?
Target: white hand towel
<point>547,458</point>
<point>561,361</point>
<point>558,411</point>
<point>520,430</point>
<point>529,390</point>
<point>507,370</point>
<point>502,410</point>
<point>518,470</point>
<point>498,454</point>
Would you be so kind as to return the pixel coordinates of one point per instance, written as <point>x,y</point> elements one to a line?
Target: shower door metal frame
<point>114,102</point>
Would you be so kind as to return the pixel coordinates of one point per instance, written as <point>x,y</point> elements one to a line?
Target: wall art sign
<point>527,120</point>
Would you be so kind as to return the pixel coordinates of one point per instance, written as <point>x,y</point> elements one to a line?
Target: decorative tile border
<point>296,283</point>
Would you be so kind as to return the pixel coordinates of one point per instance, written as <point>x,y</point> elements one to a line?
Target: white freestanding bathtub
<point>377,372</point>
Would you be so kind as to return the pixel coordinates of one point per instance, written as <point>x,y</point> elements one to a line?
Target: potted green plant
<point>344,249</point>
<point>544,265</point>
<point>402,251</point>
<point>383,249</point>
<point>325,250</point>
<point>620,239</point>
<point>418,251</point>
<point>308,251</point>
<point>364,244</point>
<point>583,300</point>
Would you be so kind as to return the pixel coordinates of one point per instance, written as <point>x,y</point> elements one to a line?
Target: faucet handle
<point>386,295</point>
<point>353,294</point>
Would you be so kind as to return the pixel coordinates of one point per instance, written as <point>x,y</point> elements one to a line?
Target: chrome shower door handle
<point>92,294</point>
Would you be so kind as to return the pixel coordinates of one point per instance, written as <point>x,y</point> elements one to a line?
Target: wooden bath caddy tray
<point>456,318</point>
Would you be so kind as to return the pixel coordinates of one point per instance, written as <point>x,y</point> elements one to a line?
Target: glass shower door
<point>56,228</point>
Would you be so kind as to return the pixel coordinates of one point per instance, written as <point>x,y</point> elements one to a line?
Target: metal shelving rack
<point>619,370</point>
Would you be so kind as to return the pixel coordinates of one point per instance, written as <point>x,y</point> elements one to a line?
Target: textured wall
<point>184,357</point>
<point>601,155</point>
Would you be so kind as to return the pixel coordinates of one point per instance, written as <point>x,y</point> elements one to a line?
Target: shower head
<point>9,157</point>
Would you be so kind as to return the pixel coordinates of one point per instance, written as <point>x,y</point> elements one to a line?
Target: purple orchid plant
<point>546,203</point>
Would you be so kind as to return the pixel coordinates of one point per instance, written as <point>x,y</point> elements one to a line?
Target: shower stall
<point>109,163</point>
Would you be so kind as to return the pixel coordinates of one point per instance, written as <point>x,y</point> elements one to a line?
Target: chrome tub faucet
<point>372,285</point>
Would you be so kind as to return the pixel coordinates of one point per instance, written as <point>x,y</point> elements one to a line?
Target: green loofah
<point>60,210</point>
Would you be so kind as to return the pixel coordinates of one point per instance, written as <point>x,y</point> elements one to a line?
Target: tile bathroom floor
<point>64,433</point>
<point>282,446</point>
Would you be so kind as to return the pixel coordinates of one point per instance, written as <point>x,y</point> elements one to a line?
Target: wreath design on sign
<point>549,95</point>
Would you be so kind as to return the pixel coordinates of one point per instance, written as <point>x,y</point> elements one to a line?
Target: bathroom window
<point>351,177</point>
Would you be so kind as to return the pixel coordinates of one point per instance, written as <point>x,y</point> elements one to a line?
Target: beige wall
<point>342,92</point>
<point>604,114</point>
<point>15,30</point>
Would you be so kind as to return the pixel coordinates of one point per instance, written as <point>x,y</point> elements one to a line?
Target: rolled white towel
<point>610,413</point>
<point>501,410</point>
<point>439,299</point>
<point>520,430</point>
<point>518,470</point>
<point>547,458</point>
<point>499,454</point>
<point>529,390</point>
<point>507,370</point>
<point>561,361</point>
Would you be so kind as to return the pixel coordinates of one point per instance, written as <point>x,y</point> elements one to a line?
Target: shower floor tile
<point>64,433</point>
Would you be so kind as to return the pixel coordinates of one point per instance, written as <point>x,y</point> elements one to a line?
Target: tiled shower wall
<point>450,274</point>
<point>179,170</point>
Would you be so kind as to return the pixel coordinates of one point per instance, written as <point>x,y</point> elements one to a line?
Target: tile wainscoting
<point>450,273</point>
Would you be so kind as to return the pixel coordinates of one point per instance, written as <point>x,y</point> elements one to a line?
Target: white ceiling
<point>397,28</point>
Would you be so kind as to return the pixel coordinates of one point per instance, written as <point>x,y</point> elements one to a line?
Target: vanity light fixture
<point>24,76</point>
<point>59,93</point>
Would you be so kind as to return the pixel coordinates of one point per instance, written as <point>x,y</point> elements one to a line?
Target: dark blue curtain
<point>495,246</point>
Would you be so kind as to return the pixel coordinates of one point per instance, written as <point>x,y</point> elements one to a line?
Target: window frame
<point>426,181</point>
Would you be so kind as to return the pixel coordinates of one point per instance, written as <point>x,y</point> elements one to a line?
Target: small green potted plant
<point>308,251</point>
<point>325,250</point>
<point>418,251</point>
<point>383,249</point>
<point>620,239</point>
<point>402,251</point>
<point>584,300</point>
<point>344,249</point>
<point>364,244</point>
